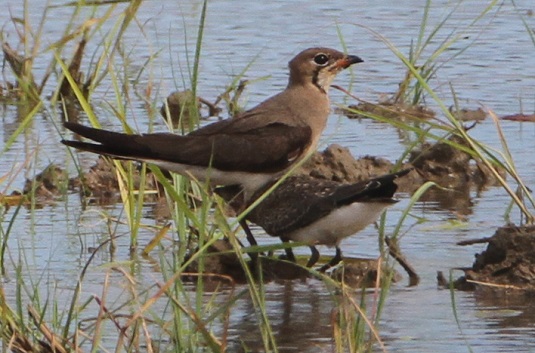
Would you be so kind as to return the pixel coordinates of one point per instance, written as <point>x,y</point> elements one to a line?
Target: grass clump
<point>173,309</point>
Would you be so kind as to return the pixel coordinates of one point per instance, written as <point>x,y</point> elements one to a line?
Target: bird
<point>315,211</point>
<point>249,150</point>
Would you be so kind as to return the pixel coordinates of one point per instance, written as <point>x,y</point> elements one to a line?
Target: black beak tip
<point>353,59</point>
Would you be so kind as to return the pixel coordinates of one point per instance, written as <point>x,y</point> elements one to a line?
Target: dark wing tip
<point>76,128</point>
<point>381,188</point>
<point>74,144</point>
<point>89,147</point>
<point>403,172</point>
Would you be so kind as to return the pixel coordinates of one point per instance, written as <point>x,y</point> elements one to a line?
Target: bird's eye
<point>321,59</point>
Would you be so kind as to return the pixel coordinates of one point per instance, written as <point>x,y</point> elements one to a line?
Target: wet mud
<point>408,112</point>
<point>520,117</point>
<point>389,110</point>
<point>441,162</point>
<point>222,263</point>
<point>507,265</point>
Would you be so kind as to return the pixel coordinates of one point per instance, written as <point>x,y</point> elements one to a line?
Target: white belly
<point>339,224</point>
<point>250,181</point>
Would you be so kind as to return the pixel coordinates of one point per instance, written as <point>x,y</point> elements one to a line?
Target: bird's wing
<point>293,205</point>
<point>267,148</point>
<point>314,199</point>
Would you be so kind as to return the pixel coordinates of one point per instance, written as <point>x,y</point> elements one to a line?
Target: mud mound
<point>441,163</point>
<point>222,263</point>
<point>390,110</point>
<point>48,184</point>
<point>336,163</point>
<point>407,112</point>
<point>100,183</point>
<point>451,167</point>
<point>508,262</point>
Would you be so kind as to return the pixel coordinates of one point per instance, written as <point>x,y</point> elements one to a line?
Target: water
<point>497,72</point>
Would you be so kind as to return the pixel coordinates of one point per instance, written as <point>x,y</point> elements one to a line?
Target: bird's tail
<point>379,189</point>
<point>109,143</point>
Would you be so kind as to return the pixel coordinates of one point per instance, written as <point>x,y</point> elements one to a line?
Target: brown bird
<point>249,150</point>
<point>315,212</point>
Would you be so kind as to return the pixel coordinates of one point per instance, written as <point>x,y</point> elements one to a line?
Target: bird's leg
<point>337,257</point>
<point>248,233</point>
<point>250,239</point>
<point>334,261</point>
<point>289,253</point>
<point>314,257</point>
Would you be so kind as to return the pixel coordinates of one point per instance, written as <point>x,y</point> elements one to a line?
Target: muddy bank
<point>389,110</point>
<point>405,112</point>
<point>99,184</point>
<point>223,264</point>
<point>507,265</point>
<point>440,162</point>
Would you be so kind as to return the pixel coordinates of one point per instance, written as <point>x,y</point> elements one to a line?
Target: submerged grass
<point>167,312</point>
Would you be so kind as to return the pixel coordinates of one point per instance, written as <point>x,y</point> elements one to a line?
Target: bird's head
<point>319,66</point>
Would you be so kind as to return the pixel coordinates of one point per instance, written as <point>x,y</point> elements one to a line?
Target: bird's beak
<point>347,61</point>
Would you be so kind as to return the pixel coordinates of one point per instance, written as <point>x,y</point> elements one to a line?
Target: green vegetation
<point>172,309</point>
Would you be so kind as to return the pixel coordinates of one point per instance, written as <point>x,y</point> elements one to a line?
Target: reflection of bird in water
<point>291,305</point>
<point>313,211</point>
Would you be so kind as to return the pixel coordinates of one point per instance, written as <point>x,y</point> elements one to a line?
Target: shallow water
<point>497,71</point>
